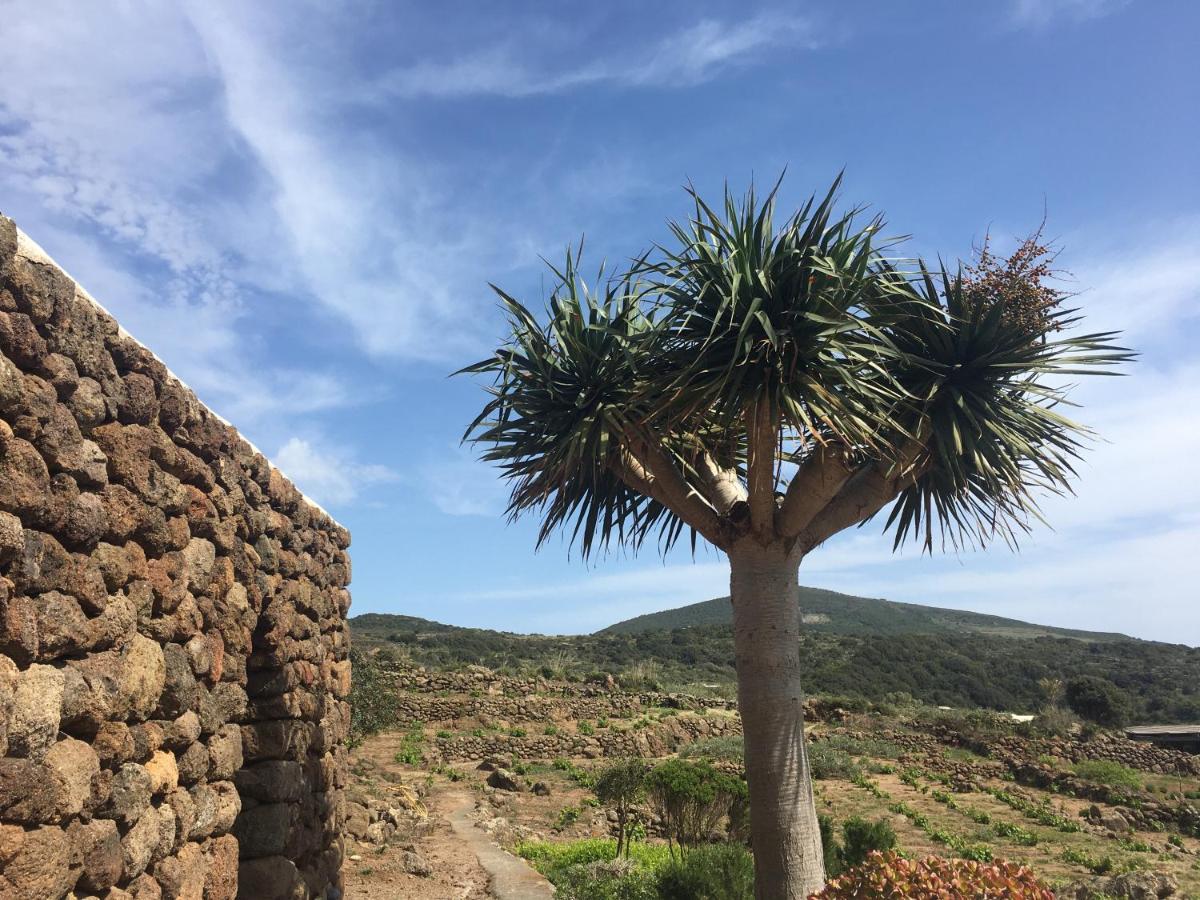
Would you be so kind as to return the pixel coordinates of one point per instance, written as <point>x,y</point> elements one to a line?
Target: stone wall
<point>173,647</point>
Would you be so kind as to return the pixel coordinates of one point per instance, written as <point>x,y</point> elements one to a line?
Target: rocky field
<point>1093,814</point>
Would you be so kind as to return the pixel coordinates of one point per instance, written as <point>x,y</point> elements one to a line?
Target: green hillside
<point>834,613</point>
<point>853,647</point>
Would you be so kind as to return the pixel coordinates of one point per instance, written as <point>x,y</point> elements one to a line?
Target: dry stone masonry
<point>174,659</point>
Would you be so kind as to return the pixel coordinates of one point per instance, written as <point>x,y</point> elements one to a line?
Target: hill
<point>834,613</point>
<point>937,656</point>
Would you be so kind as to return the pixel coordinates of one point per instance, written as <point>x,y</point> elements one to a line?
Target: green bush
<point>831,851</point>
<point>1105,771</point>
<point>830,762</point>
<point>861,746</point>
<point>730,748</point>
<point>552,859</point>
<point>1098,700</point>
<point>713,872</point>
<point>860,838</point>
<point>691,798</point>
<point>621,786</point>
<point>617,879</point>
<point>372,703</point>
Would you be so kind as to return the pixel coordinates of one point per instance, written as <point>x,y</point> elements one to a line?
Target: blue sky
<point>298,207</point>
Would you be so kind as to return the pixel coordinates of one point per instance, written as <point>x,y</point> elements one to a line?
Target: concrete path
<point>511,878</point>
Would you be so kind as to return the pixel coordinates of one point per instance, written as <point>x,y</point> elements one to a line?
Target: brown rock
<point>182,876</point>
<point>31,792</point>
<point>62,626</point>
<point>77,765</point>
<point>36,712</point>
<point>113,744</point>
<point>20,341</point>
<point>43,864</point>
<point>99,846</point>
<point>149,840</point>
<point>140,405</point>
<point>24,478</point>
<point>145,887</point>
<point>221,880</point>
<point>271,878</point>
<point>225,753</point>
<point>18,628</point>
<point>163,772</point>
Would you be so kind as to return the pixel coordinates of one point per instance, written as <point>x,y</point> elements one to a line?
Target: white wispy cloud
<point>109,162</point>
<point>1040,13</point>
<point>330,475</point>
<point>460,485</point>
<point>373,234</point>
<point>692,55</point>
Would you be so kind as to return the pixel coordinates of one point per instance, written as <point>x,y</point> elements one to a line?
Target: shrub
<point>829,762</point>
<point>1098,700</point>
<point>831,852</point>
<point>713,872</point>
<point>554,859</point>
<point>889,876</point>
<point>617,879</point>
<point>691,798</point>
<point>622,785</point>
<point>1106,771</point>
<point>860,838</point>
<point>861,746</point>
<point>372,704</point>
<point>730,748</point>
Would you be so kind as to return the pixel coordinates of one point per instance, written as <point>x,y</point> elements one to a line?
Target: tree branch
<point>650,470</point>
<point>816,482</point>
<point>762,432</point>
<point>722,485</point>
<point>867,491</point>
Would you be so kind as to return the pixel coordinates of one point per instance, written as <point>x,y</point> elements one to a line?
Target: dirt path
<point>511,878</point>
<point>381,873</point>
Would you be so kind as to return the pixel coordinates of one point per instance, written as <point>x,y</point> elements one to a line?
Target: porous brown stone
<point>172,627</point>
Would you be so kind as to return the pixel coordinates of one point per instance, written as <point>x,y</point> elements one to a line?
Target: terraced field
<point>1071,808</point>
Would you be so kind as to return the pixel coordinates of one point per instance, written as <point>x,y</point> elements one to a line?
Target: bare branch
<point>651,471</point>
<point>722,485</point>
<point>762,431</point>
<point>816,482</point>
<point>867,491</point>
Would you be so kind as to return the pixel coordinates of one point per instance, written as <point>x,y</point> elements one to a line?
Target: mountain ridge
<point>837,613</point>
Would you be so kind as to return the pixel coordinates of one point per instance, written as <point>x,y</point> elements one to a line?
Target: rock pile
<point>173,650</point>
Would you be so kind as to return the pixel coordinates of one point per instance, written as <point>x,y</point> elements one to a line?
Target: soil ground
<point>567,811</point>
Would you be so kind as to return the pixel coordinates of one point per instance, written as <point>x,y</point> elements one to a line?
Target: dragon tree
<point>763,387</point>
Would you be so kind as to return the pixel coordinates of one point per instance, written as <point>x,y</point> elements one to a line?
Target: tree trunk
<point>784,835</point>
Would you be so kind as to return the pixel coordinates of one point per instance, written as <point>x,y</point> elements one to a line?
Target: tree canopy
<point>790,381</point>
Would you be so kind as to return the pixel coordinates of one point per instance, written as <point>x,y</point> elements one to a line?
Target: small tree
<point>765,388</point>
<point>1098,700</point>
<point>691,798</point>
<point>1052,690</point>
<point>622,786</point>
<point>372,699</point>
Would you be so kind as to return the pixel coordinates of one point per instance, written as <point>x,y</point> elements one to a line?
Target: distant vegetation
<point>835,613</point>
<point>862,649</point>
